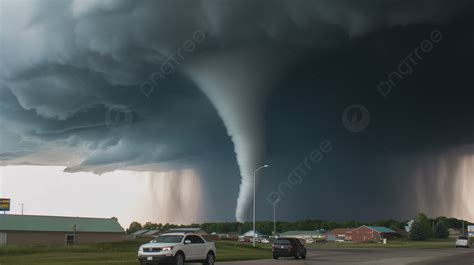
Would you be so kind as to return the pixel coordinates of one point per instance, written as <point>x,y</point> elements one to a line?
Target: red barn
<point>365,233</point>
<point>339,234</point>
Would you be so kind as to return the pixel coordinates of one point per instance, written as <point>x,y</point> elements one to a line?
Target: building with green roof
<point>365,233</point>
<point>317,234</point>
<point>57,230</point>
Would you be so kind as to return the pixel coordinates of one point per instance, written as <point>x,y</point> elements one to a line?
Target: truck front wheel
<point>179,258</point>
<point>209,259</point>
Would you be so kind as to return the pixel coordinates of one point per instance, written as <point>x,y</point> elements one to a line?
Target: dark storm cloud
<point>66,64</point>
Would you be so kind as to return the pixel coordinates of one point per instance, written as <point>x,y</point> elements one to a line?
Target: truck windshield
<point>168,239</point>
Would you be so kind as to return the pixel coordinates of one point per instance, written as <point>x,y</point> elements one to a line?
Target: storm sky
<point>362,109</point>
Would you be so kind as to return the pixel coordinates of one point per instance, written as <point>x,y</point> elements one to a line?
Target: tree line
<point>422,228</point>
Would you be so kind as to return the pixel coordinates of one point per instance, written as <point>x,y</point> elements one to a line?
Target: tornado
<point>237,83</point>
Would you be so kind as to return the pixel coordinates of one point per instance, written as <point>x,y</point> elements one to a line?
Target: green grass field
<point>125,252</point>
<point>111,254</point>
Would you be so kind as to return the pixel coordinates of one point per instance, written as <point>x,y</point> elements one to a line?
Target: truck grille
<point>151,249</point>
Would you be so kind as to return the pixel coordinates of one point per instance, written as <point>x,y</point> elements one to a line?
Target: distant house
<point>365,233</point>
<point>139,232</point>
<point>226,236</point>
<point>198,231</point>
<point>232,235</point>
<point>339,234</point>
<point>302,234</point>
<point>402,232</point>
<point>150,234</point>
<point>144,233</point>
<point>408,226</point>
<point>57,230</point>
<point>250,234</point>
<point>454,232</point>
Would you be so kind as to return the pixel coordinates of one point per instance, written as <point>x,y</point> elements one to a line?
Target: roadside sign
<point>470,230</point>
<point>4,204</point>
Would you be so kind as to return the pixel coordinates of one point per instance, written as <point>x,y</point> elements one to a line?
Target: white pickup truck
<point>176,248</point>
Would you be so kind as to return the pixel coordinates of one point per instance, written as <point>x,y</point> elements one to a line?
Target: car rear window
<point>463,237</point>
<point>282,242</point>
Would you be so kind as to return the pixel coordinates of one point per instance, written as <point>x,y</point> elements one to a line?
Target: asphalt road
<point>460,259</point>
<point>376,257</point>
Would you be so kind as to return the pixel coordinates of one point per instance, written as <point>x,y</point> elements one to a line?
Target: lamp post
<point>254,193</point>
<point>274,216</point>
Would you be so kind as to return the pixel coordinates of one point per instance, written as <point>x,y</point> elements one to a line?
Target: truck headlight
<point>166,249</point>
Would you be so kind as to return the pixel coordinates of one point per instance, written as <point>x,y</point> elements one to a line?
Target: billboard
<point>4,204</point>
<point>470,230</point>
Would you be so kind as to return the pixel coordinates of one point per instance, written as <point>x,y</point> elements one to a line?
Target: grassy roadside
<point>111,254</point>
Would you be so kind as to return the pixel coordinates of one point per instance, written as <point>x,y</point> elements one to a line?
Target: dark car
<point>288,247</point>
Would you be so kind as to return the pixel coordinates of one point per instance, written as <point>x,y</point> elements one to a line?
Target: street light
<point>274,216</point>
<point>254,192</point>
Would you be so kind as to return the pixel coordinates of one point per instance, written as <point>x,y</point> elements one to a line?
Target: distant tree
<point>416,232</point>
<point>266,227</point>
<point>426,225</point>
<point>441,231</point>
<point>134,227</point>
<point>394,227</point>
<point>352,224</point>
<point>150,226</point>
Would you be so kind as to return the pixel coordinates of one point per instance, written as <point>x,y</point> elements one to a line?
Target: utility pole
<point>21,208</point>
<point>274,216</point>
<point>433,228</point>
<point>462,227</point>
<point>254,196</point>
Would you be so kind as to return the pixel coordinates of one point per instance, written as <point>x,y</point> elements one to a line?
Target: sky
<point>161,111</point>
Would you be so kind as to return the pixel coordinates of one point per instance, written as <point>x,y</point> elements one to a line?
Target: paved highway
<point>460,259</point>
<point>358,256</point>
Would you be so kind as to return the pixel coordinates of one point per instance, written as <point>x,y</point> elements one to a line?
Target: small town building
<point>233,235</point>
<point>250,235</point>
<point>149,234</point>
<point>409,225</point>
<point>193,230</point>
<point>339,234</point>
<point>365,233</point>
<point>303,234</point>
<point>454,232</point>
<point>57,230</point>
<point>138,233</point>
<point>226,236</point>
<point>402,232</point>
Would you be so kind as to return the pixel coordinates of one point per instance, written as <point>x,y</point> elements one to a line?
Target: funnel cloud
<point>237,83</point>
